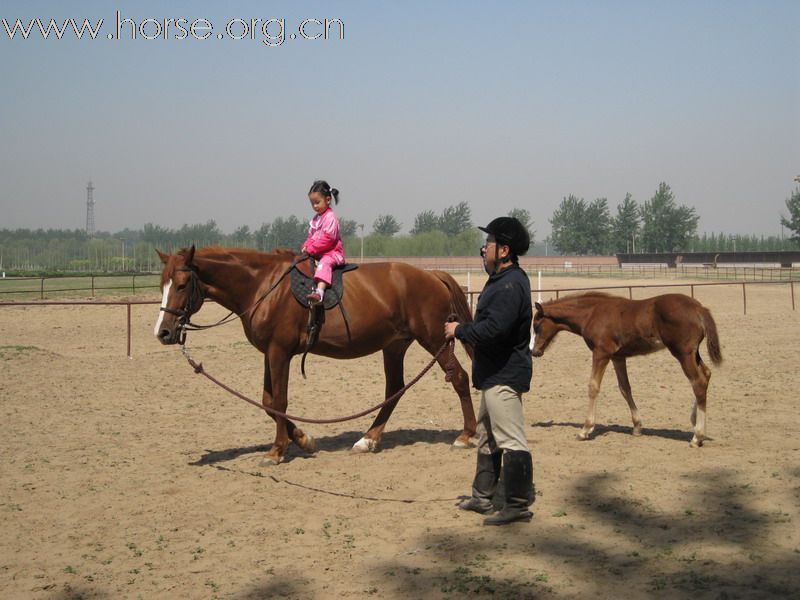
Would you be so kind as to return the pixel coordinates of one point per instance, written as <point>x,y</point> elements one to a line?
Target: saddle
<point>302,284</point>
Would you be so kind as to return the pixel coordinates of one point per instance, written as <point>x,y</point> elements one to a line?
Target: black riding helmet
<point>510,232</point>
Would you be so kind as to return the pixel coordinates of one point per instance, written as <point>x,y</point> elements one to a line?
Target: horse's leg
<point>599,364</point>
<point>621,369</point>
<point>460,381</point>
<point>393,356</point>
<point>699,376</point>
<point>275,396</point>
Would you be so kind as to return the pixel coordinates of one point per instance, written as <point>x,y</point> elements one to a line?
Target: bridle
<point>195,289</point>
<point>185,314</point>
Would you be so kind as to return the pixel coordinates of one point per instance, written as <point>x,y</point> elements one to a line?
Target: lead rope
<point>449,371</point>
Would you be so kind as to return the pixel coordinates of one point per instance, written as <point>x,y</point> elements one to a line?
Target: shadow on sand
<point>602,430</point>
<point>615,544</point>
<point>335,443</point>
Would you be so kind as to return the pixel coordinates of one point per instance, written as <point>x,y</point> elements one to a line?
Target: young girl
<point>324,241</point>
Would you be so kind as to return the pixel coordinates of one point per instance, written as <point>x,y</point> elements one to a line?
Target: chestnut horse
<point>389,306</point>
<point>615,328</point>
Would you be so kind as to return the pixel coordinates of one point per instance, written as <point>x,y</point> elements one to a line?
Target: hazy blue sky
<point>422,105</point>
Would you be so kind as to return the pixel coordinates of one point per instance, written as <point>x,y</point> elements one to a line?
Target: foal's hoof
<point>583,436</point>
<point>637,431</point>
<point>271,461</point>
<point>695,443</point>
<point>365,445</point>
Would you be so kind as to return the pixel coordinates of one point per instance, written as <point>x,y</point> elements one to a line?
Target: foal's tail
<point>712,339</point>
<point>458,301</point>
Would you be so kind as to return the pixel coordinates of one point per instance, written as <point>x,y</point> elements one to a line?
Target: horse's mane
<point>580,296</point>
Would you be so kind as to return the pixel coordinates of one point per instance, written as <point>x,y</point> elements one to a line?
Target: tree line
<point>578,227</point>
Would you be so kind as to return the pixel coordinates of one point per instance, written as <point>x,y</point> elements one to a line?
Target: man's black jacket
<point>501,332</point>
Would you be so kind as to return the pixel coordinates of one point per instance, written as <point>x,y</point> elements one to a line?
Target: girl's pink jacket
<point>324,239</point>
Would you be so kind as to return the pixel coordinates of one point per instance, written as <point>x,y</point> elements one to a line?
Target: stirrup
<point>313,298</point>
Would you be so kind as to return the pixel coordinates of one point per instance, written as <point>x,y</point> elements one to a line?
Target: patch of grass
<point>16,350</point>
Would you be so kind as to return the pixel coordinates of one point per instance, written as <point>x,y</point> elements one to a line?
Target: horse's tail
<point>458,301</point>
<point>712,338</point>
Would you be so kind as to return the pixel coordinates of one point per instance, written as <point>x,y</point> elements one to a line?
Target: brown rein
<point>449,368</point>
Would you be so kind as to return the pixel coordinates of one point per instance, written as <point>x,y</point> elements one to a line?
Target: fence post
<point>691,287</point>
<point>630,293</point>
<point>41,291</point>
<point>92,285</point>
<point>129,330</point>
<point>792,286</point>
<point>744,297</point>
<point>133,284</point>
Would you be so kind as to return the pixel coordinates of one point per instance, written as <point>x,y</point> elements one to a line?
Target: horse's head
<point>181,295</point>
<point>544,330</point>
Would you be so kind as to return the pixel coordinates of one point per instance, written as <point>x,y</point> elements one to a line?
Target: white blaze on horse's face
<point>164,300</point>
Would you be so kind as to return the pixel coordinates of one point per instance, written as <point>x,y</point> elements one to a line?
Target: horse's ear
<point>164,257</point>
<point>190,255</point>
<point>539,309</point>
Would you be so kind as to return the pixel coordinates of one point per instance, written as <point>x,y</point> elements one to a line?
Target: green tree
<point>523,216</point>
<point>597,227</point>
<point>666,227</point>
<point>567,224</point>
<point>579,227</point>
<point>456,219</point>
<point>386,225</point>
<point>625,226</point>
<point>288,233</point>
<point>347,227</point>
<point>155,234</point>
<point>792,222</point>
<point>261,237</point>
<point>242,236</point>
<point>426,222</point>
<point>200,234</point>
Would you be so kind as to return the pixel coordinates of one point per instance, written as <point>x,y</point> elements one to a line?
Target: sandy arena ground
<point>139,479</point>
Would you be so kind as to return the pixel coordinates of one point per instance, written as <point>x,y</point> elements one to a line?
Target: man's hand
<point>450,330</point>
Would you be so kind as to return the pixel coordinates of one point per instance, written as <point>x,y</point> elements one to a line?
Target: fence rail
<point>43,287</point>
<point>471,296</point>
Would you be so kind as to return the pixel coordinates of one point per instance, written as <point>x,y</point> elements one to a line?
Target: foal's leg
<point>599,364</point>
<point>621,369</point>
<point>393,356</point>
<point>699,376</point>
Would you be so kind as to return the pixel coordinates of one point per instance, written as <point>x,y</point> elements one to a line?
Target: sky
<point>418,106</point>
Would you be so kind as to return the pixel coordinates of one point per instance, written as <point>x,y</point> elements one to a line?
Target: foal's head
<point>545,329</point>
<point>181,295</point>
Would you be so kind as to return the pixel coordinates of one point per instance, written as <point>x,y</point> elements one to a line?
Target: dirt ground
<point>136,478</point>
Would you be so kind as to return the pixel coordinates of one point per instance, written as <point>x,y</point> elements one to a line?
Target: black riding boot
<point>484,485</point>
<point>518,479</point>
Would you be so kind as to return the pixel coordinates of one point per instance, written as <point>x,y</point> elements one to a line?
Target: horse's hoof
<point>583,437</point>
<point>271,461</point>
<point>695,443</point>
<point>637,431</point>
<point>365,445</point>
<point>460,444</point>
<point>309,444</point>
